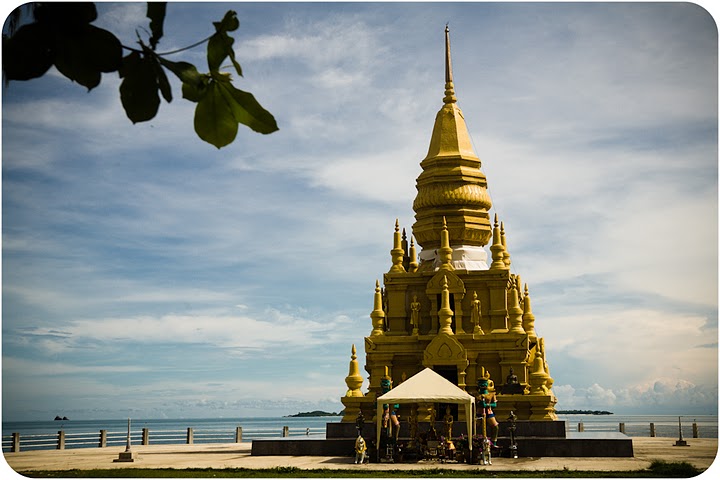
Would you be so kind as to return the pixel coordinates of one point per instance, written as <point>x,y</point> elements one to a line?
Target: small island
<point>315,413</point>
<point>58,417</point>
<point>583,412</point>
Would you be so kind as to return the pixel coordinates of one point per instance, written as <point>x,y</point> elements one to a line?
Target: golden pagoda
<point>446,308</point>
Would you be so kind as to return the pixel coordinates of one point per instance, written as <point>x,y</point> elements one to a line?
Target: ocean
<point>85,433</point>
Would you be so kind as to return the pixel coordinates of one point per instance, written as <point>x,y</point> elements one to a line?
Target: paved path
<point>701,453</point>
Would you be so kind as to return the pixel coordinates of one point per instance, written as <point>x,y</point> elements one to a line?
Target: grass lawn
<point>657,469</point>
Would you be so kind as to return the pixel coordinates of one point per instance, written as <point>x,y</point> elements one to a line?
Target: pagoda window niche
<point>417,308</point>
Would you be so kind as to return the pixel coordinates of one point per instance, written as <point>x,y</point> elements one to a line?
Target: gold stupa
<point>447,307</point>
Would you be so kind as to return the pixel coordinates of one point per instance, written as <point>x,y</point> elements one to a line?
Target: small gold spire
<point>396,236</point>
<point>528,317</point>
<point>497,249</point>
<point>514,311</point>
<point>354,380</point>
<point>413,264</point>
<point>518,284</point>
<point>404,246</point>
<point>445,251</point>
<point>445,314</point>
<point>378,314</point>
<point>506,254</point>
<point>397,253</point>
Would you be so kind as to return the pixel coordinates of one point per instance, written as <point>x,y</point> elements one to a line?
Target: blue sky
<point>148,274</point>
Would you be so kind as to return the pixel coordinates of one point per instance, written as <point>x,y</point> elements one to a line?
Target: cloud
<point>636,345</point>
<point>664,395</point>
<point>271,329</point>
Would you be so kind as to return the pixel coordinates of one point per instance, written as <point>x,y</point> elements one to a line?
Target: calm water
<point>222,430</point>
<point>43,434</point>
<point>639,425</point>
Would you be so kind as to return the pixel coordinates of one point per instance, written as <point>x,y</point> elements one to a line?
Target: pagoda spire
<point>449,87</point>
<point>452,184</point>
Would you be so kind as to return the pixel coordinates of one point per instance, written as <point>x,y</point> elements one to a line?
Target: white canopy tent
<point>427,386</point>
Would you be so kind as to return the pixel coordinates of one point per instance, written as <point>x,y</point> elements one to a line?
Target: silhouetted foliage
<point>62,35</point>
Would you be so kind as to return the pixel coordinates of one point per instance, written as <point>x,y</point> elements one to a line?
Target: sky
<point>147,274</point>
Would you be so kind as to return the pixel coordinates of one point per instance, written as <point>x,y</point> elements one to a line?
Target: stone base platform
<point>534,439</point>
<point>336,447</point>
<point>610,444</point>
<point>590,444</point>
<point>524,428</point>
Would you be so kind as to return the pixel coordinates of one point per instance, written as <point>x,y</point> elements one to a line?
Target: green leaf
<point>82,54</point>
<point>214,120</point>
<point>28,53</point>
<point>163,83</point>
<point>220,44</point>
<point>139,89</point>
<point>246,109</point>
<point>229,23</point>
<point>156,14</point>
<point>186,72</point>
<point>70,61</point>
<point>102,50</point>
<point>195,93</point>
<point>194,83</point>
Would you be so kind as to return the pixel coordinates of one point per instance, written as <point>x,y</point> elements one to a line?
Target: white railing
<point>62,440</point>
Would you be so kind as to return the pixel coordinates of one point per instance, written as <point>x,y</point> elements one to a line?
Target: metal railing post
<point>103,438</point>
<point>238,435</point>
<point>15,442</point>
<point>652,429</point>
<point>622,427</point>
<point>189,436</point>
<point>286,431</point>
<point>61,440</point>
<point>146,436</point>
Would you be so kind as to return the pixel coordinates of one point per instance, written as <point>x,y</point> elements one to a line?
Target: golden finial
<point>449,87</point>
